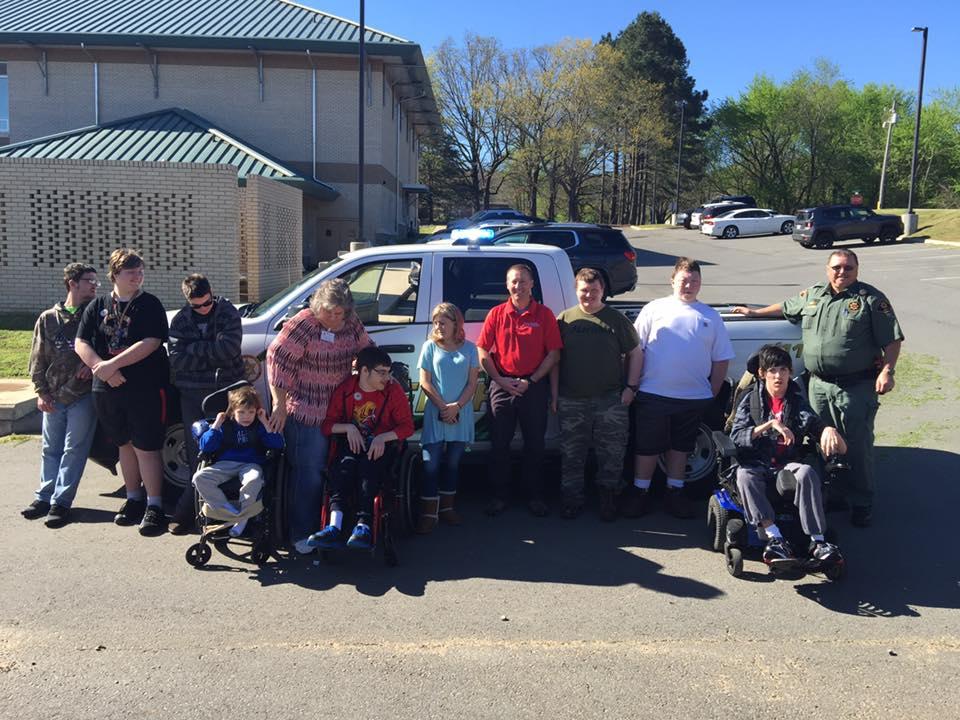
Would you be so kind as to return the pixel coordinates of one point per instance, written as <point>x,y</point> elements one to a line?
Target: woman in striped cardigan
<point>311,356</point>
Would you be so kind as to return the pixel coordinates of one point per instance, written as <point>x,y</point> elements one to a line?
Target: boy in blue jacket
<point>238,439</point>
<point>772,419</point>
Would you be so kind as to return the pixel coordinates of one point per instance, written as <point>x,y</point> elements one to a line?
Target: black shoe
<point>57,517</point>
<point>570,510</point>
<point>636,503</point>
<point>538,508</point>
<point>823,551</point>
<point>131,512</point>
<point>36,509</point>
<point>778,553</point>
<point>861,516</point>
<point>154,522</point>
<point>608,506</point>
<point>676,503</point>
<point>495,507</point>
<point>182,524</point>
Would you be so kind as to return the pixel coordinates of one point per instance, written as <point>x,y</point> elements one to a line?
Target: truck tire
<point>823,240</point>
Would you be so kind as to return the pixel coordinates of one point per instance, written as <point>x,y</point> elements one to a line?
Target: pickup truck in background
<point>396,287</point>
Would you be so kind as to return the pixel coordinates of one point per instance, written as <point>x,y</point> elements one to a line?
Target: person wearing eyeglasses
<point>205,338</point>
<point>62,383</point>
<point>120,339</point>
<point>851,342</point>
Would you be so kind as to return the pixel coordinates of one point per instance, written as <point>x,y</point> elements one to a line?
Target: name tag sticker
<point>327,336</point>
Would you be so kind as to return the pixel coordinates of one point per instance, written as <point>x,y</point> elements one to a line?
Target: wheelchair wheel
<point>260,553</point>
<point>717,517</point>
<point>198,554</point>
<point>390,557</point>
<point>408,489</point>
<point>734,557</point>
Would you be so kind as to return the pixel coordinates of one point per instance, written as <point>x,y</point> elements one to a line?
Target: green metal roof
<point>207,23</point>
<point>173,135</point>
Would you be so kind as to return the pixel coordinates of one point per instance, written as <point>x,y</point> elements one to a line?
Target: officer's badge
<point>884,307</point>
<point>853,305</point>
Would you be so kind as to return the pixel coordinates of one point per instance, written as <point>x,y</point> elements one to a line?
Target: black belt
<point>847,378</point>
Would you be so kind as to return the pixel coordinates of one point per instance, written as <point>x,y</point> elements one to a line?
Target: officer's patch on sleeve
<point>853,305</point>
<point>884,307</point>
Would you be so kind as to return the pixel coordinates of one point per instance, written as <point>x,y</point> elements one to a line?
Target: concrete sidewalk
<point>18,407</point>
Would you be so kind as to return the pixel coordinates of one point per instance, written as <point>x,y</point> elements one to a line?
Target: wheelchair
<point>215,523</point>
<point>731,533</point>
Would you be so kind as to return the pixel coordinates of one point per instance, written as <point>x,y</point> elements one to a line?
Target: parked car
<point>598,246</point>
<point>711,210</point>
<point>747,200</point>
<point>749,221</point>
<point>823,226</point>
<point>693,214</point>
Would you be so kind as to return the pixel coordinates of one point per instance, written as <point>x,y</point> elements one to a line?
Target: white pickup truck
<point>396,287</point>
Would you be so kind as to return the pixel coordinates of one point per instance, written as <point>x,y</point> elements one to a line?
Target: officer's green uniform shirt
<point>842,333</point>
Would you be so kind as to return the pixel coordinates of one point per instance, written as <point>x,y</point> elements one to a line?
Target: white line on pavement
<point>948,277</point>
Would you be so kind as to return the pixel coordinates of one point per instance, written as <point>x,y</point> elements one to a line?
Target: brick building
<point>273,80</point>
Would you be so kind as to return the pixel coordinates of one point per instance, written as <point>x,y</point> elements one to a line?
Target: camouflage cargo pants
<point>601,422</point>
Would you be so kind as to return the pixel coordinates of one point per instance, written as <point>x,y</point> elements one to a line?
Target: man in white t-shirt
<point>686,351</point>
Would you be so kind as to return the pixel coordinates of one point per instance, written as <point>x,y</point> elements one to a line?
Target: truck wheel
<point>701,463</point>
<point>869,240</point>
<point>176,468</point>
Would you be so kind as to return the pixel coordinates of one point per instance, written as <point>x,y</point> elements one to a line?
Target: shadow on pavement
<point>907,559</point>
<point>513,547</point>
<point>649,258</point>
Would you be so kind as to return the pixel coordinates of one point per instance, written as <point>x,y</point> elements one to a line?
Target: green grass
<point>918,411</point>
<point>933,223</point>
<point>16,333</point>
<point>15,439</point>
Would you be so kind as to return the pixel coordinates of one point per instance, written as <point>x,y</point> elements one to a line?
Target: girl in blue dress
<point>449,372</point>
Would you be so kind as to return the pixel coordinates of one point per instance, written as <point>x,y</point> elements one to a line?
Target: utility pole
<point>888,124</point>
<point>360,115</point>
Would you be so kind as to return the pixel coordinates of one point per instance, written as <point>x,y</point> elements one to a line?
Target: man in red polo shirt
<point>518,345</point>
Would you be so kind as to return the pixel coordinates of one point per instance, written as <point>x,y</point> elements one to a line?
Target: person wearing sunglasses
<point>205,338</point>
<point>851,342</point>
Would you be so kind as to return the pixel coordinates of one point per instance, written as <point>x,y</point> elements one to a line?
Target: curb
<point>942,243</point>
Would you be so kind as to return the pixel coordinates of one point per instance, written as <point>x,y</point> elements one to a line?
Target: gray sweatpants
<point>752,482</point>
<point>208,480</point>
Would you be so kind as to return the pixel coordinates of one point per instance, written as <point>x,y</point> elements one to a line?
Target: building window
<point>4,102</point>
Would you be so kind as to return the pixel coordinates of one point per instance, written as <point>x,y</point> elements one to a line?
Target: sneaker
<point>636,503</point>
<point>131,512</point>
<point>154,522</point>
<point>329,538</point>
<point>538,508</point>
<point>608,506</point>
<point>861,516</point>
<point>823,551</point>
<point>237,530</point>
<point>495,507</point>
<point>58,516</point>
<point>778,552</point>
<point>361,538</point>
<point>36,509</point>
<point>676,503</point>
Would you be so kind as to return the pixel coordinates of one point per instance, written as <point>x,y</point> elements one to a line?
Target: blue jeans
<point>306,459</point>
<point>441,469</point>
<point>67,436</point>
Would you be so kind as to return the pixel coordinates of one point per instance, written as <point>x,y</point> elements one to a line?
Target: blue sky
<point>727,43</point>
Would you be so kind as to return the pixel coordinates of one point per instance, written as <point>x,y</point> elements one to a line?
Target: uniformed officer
<point>851,342</point>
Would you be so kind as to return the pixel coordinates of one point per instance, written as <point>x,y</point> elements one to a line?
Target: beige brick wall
<point>270,237</point>
<point>183,218</point>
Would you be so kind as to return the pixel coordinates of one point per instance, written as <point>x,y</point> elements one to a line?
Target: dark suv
<point>596,246</point>
<point>822,226</point>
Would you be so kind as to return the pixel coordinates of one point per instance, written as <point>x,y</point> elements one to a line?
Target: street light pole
<point>912,217</point>
<point>888,124</point>
<point>676,202</point>
<point>360,115</point>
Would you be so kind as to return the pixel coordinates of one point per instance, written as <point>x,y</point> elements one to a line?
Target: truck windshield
<point>289,294</point>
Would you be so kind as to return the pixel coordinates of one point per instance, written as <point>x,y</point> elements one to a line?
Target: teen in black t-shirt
<point>120,338</point>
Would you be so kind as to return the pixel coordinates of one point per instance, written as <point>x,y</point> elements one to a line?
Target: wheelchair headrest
<point>753,364</point>
<point>216,402</point>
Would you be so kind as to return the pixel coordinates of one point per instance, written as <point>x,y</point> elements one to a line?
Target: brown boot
<point>428,516</point>
<point>449,516</point>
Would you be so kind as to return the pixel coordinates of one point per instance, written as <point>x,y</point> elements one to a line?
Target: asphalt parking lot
<point>518,617</point>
